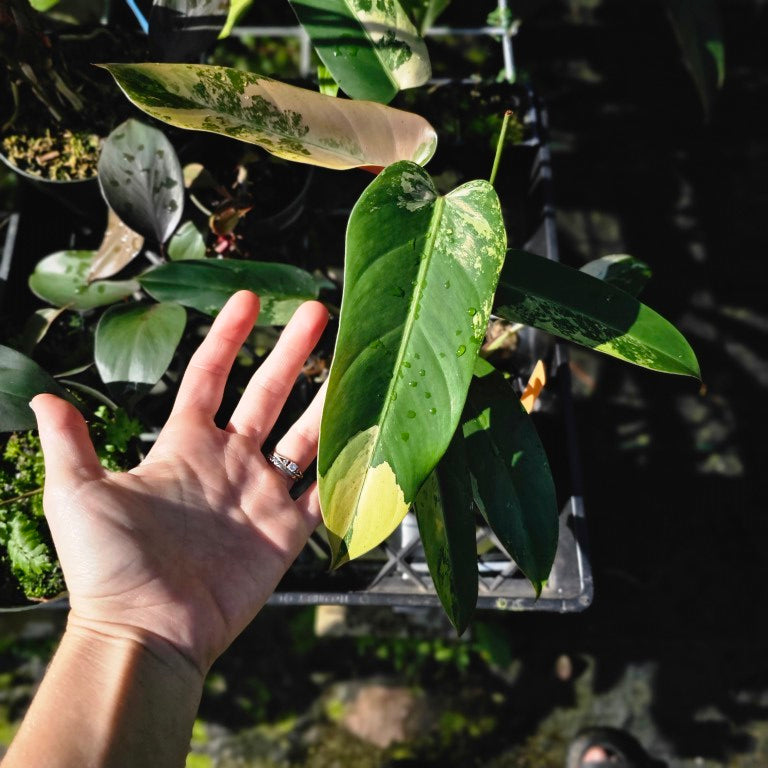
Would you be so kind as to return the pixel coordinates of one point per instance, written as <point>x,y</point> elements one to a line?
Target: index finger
<point>202,386</point>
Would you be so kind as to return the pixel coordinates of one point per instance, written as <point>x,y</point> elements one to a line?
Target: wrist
<point>107,638</point>
<point>113,697</point>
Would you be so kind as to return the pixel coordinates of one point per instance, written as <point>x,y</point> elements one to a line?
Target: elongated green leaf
<point>514,487</point>
<point>446,518</point>
<point>568,303</point>
<point>371,48</point>
<point>20,380</point>
<point>206,284</point>
<point>62,280</point>
<point>135,343</point>
<point>187,243</point>
<point>698,29</point>
<point>621,271</point>
<point>141,179</point>
<point>419,279</point>
<point>289,122</point>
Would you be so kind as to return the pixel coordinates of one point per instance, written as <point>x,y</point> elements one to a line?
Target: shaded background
<point>673,648</point>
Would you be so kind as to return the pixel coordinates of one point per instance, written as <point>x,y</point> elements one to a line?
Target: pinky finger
<point>308,505</point>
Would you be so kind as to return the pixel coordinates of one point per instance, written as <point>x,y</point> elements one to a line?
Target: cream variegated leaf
<point>417,295</point>
<point>371,47</point>
<point>292,123</point>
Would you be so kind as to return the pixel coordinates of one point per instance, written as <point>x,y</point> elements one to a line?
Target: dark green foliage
<point>28,564</point>
<point>27,555</point>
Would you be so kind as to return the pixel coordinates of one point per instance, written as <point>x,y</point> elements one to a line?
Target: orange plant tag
<point>534,386</point>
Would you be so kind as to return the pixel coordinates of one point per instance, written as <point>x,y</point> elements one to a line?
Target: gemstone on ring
<point>285,466</point>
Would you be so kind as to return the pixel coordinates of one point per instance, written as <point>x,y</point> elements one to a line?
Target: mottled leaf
<point>62,280</point>
<point>578,307</point>
<point>187,242</point>
<point>135,343</point>
<point>20,380</point>
<point>420,273</point>
<point>513,483</point>
<point>206,285</point>
<point>293,123</point>
<point>141,179</point>
<point>621,271</point>
<point>446,516</point>
<point>119,246</point>
<point>370,47</point>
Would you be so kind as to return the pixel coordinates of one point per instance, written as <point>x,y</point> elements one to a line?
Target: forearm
<point>109,700</point>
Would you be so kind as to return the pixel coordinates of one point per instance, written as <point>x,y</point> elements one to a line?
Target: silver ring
<point>285,466</point>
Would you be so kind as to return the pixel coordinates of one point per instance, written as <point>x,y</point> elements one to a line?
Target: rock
<point>383,714</point>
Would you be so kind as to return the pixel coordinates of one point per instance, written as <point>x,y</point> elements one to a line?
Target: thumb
<point>67,448</point>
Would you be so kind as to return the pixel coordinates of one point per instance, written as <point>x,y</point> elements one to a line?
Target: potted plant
<point>415,416</point>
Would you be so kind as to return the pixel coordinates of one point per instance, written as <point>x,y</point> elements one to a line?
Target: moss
<point>195,760</point>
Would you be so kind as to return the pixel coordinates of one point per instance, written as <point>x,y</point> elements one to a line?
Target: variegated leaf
<point>420,273</point>
<point>371,47</point>
<point>293,123</point>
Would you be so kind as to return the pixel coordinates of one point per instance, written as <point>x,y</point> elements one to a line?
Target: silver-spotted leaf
<point>141,179</point>
<point>292,123</point>
<point>62,280</point>
<point>513,484</point>
<point>420,273</point>
<point>372,49</point>
<point>580,308</point>
<point>206,284</point>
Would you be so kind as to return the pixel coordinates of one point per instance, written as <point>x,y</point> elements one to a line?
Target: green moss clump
<point>26,550</point>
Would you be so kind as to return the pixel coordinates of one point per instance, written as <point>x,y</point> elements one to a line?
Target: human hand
<point>182,551</point>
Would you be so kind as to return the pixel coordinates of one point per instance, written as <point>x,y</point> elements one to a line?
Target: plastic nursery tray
<point>396,573</point>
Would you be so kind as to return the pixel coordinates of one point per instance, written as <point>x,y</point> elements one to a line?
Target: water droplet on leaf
<point>461,350</point>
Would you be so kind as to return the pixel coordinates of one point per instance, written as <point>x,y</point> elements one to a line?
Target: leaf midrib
<point>407,330</point>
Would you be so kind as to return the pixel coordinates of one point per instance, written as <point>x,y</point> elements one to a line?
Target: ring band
<point>285,466</point>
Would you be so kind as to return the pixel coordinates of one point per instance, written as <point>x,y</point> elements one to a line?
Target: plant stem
<point>21,496</point>
<point>500,146</point>
<point>501,339</point>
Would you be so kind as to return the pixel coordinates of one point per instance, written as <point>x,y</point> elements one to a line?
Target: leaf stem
<point>500,146</point>
<point>21,496</point>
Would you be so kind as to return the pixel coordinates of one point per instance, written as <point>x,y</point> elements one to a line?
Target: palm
<point>191,543</point>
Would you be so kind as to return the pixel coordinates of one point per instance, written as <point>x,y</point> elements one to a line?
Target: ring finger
<point>268,389</point>
<point>299,443</point>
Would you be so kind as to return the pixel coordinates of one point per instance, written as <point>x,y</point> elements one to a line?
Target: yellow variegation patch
<point>365,504</point>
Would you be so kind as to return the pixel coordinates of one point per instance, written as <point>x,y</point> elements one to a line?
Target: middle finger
<point>269,387</point>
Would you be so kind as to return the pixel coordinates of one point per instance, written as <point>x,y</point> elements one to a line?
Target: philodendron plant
<point>414,418</point>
